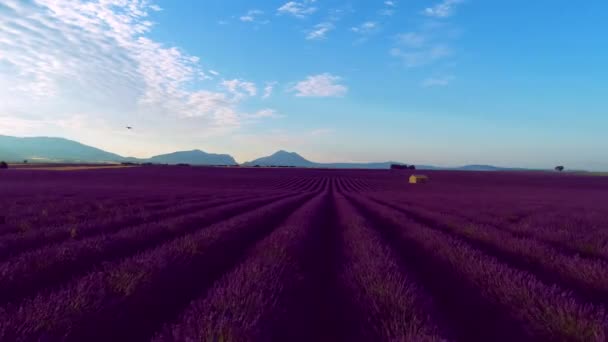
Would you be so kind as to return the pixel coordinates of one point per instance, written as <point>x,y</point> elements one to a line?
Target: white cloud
<point>322,85</point>
<point>421,57</point>
<point>440,81</point>
<point>443,9</point>
<point>252,16</point>
<point>389,8</point>
<point>365,28</point>
<point>299,9</point>
<point>268,89</point>
<point>237,87</point>
<point>428,45</point>
<point>320,31</point>
<point>265,113</point>
<point>95,57</point>
<point>412,39</point>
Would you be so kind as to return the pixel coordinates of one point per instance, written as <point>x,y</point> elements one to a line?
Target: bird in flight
<point>129,127</point>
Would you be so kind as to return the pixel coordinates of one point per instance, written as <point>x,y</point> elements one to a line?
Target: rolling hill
<point>47,149</point>
<point>60,150</point>
<point>194,157</point>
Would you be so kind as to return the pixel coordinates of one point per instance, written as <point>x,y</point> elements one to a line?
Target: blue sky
<point>445,82</point>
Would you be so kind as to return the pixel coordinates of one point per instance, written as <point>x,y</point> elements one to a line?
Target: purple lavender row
<point>388,304</point>
<point>42,268</point>
<point>262,298</point>
<point>41,215</point>
<point>582,213</point>
<point>574,233</point>
<point>53,211</point>
<point>130,299</point>
<point>76,225</point>
<point>588,276</point>
<point>13,244</point>
<point>38,215</point>
<point>544,312</point>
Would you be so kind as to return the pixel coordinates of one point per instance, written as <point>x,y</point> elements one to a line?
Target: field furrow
<point>129,300</point>
<point>384,302</point>
<point>588,278</point>
<point>266,297</point>
<point>561,234</point>
<point>43,268</point>
<point>170,253</point>
<point>502,303</point>
<point>13,244</point>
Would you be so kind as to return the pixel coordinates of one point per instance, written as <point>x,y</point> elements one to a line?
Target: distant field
<point>243,254</point>
<point>65,167</point>
<point>599,173</point>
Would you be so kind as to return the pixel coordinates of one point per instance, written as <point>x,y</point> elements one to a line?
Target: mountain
<point>45,149</point>
<point>194,157</point>
<point>282,158</point>
<point>60,150</point>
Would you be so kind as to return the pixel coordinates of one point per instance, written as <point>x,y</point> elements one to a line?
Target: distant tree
<point>3,165</point>
<point>399,167</point>
<point>559,168</point>
<point>25,161</point>
<point>412,167</point>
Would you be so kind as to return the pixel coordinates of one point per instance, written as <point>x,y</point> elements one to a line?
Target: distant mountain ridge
<point>194,157</point>
<point>284,158</point>
<point>52,150</point>
<point>60,150</point>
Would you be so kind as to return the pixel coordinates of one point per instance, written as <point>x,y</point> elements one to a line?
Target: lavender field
<point>229,254</point>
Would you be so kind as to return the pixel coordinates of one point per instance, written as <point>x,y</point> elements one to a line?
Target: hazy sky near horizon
<point>444,82</point>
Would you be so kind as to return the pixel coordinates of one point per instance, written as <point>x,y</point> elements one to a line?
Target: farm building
<point>417,179</point>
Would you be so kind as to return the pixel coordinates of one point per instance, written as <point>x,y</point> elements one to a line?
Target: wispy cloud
<point>431,43</point>
<point>443,9</point>
<point>240,89</point>
<point>389,8</point>
<point>365,31</point>
<point>366,27</point>
<point>299,9</point>
<point>412,39</point>
<point>437,81</point>
<point>319,31</point>
<point>419,57</point>
<point>65,55</point>
<point>322,85</point>
<point>268,89</point>
<point>265,113</point>
<point>253,16</point>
